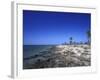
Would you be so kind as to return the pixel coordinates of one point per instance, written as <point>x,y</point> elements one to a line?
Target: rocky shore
<point>60,56</point>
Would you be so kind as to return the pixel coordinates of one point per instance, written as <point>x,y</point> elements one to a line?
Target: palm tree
<point>89,36</point>
<point>70,40</point>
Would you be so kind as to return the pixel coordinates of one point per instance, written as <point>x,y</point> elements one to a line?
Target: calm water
<point>31,50</point>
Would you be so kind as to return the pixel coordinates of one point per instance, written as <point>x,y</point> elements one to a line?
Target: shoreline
<point>60,56</point>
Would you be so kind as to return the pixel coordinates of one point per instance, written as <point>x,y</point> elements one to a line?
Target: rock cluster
<point>61,56</point>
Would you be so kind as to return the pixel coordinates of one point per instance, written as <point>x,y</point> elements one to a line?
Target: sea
<point>31,50</point>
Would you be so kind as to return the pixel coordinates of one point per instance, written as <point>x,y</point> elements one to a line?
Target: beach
<point>60,56</point>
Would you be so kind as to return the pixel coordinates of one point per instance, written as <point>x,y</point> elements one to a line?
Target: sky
<point>46,27</point>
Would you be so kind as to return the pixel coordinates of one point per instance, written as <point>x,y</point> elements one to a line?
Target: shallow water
<point>31,50</point>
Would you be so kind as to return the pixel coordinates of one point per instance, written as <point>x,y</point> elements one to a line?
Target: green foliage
<point>70,40</point>
<point>89,36</point>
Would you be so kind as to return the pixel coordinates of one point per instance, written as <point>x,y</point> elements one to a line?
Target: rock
<point>62,56</point>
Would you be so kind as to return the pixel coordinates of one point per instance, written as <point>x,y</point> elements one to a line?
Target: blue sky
<point>43,27</point>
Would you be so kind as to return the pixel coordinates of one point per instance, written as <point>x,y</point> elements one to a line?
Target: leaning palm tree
<point>70,40</point>
<point>89,37</point>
